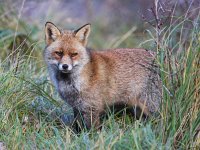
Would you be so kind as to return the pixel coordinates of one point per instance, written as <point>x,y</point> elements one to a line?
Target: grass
<point>30,109</point>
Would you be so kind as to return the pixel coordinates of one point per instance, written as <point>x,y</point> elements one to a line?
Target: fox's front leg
<point>78,124</point>
<point>85,119</point>
<point>92,119</point>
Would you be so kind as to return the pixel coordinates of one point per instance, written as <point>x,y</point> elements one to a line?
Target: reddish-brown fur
<point>100,78</point>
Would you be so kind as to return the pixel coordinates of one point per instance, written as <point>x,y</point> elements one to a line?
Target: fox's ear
<point>82,33</point>
<point>51,33</point>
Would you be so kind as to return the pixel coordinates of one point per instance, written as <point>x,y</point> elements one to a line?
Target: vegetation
<point>32,116</point>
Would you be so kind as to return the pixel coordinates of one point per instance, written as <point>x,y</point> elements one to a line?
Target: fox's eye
<point>74,54</point>
<point>59,53</point>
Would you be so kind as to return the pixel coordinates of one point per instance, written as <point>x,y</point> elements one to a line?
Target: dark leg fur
<point>78,124</point>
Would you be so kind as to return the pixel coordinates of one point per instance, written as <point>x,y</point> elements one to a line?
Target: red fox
<point>92,80</point>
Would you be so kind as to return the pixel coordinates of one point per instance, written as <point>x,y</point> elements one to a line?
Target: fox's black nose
<point>64,66</point>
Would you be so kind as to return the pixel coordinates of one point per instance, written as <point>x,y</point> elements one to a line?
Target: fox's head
<point>66,50</point>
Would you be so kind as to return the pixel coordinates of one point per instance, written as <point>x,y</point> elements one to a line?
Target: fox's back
<point>123,65</point>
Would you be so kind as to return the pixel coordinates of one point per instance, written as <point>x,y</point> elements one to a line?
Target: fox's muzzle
<point>65,68</point>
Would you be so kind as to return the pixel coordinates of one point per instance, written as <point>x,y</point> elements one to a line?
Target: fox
<point>91,80</point>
